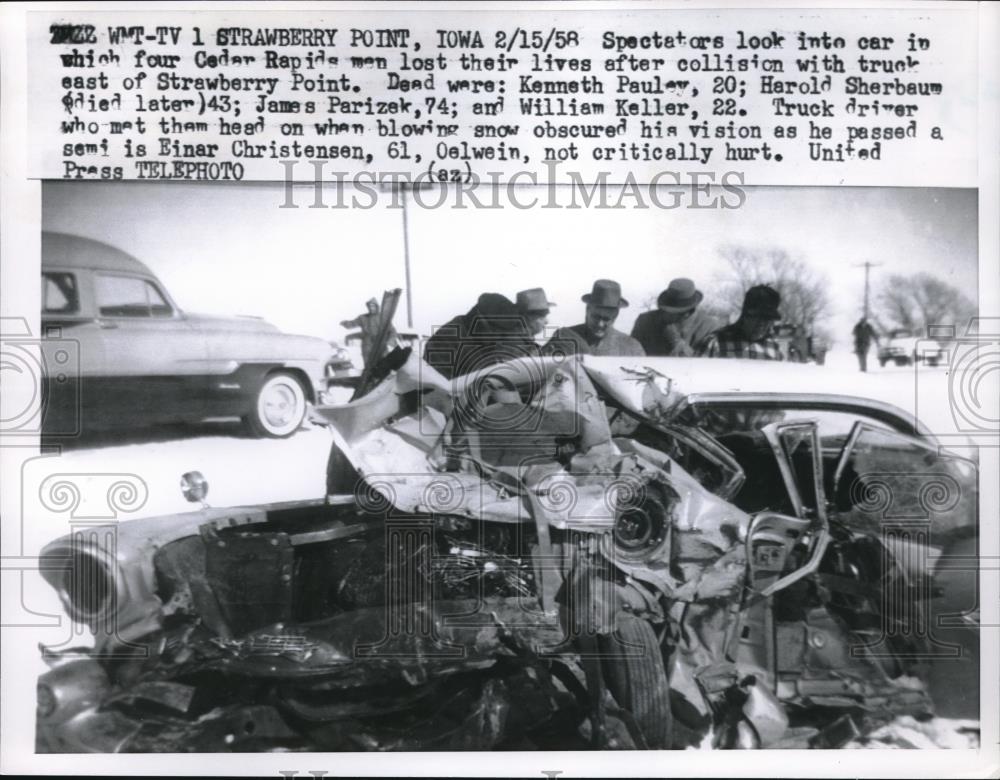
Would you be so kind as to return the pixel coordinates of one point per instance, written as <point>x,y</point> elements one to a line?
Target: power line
<point>867,265</point>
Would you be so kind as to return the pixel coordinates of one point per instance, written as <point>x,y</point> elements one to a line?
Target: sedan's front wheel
<point>279,407</point>
<point>635,675</point>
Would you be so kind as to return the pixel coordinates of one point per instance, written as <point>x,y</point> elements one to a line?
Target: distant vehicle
<point>903,348</point>
<point>797,347</point>
<point>341,365</point>
<point>140,359</point>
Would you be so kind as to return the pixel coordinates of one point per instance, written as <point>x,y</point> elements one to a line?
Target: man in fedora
<point>676,328</point>
<point>534,307</point>
<point>750,336</point>
<point>596,334</point>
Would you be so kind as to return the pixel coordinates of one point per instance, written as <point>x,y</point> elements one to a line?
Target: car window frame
<point>896,418</point>
<point>78,309</point>
<point>773,434</point>
<point>98,273</point>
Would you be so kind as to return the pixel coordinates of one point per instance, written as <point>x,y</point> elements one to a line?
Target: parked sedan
<point>498,551</point>
<point>121,352</point>
<point>903,348</point>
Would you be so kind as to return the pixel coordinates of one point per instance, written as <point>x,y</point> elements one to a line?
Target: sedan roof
<point>715,375</point>
<point>62,250</point>
<point>686,378</point>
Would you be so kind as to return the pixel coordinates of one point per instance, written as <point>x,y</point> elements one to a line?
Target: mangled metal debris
<point>534,556</point>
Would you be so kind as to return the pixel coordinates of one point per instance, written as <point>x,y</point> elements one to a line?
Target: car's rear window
<point>59,293</point>
<point>129,296</point>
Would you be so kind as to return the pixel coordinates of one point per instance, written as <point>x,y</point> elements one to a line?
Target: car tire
<point>882,362</point>
<point>279,407</point>
<point>632,663</point>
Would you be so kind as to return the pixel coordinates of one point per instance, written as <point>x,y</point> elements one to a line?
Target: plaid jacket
<point>728,342</point>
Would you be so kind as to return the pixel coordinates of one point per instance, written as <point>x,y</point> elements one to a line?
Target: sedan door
<point>151,359</point>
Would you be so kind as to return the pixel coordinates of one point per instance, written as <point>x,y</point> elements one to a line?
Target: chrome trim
<point>902,421</point>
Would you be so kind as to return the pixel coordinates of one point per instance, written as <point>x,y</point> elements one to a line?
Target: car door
<point>922,502</point>
<point>785,543</point>
<point>71,347</point>
<point>151,359</point>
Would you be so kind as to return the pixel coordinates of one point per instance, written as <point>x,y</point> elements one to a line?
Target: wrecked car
<point>555,553</point>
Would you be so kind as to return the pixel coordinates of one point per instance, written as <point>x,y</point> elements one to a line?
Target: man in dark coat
<point>676,328</point>
<point>595,335</point>
<point>491,332</point>
<point>370,324</point>
<point>864,334</point>
<point>750,336</point>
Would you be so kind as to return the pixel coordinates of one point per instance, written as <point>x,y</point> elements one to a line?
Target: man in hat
<point>370,324</point>
<point>492,331</point>
<point>534,307</point>
<point>676,328</point>
<point>750,336</point>
<point>595,335</point>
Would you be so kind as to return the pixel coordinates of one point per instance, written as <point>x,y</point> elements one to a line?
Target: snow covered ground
<point>908,733</point>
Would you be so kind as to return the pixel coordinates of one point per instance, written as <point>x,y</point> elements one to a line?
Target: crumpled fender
<point>591,600</point>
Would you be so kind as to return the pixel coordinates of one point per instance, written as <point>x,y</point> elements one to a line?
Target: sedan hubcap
<point>280,406</point>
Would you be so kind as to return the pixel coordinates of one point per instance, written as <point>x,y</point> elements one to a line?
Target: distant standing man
<point>675,328</point>
<point>864,334</point>
<point>534,307</point>
<point>595,335</point>
<point>750,336</point>
<point>369,324</point>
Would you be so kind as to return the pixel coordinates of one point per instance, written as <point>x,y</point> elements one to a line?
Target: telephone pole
<point>406,261</point>
<point>867,265</point>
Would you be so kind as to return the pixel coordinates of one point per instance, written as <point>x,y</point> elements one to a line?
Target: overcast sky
<point>225,249</point>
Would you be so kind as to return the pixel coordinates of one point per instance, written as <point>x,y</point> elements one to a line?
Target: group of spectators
<point>498,329</point>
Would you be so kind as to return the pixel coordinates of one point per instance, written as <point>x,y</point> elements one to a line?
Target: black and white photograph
<point>571,461</point>
<point>688,506</point>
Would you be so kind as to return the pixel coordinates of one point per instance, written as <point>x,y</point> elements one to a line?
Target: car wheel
<point>882,362</point>
<point>279,407</point>
<point>633,668</point>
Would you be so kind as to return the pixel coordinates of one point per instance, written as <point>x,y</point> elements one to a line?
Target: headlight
<point>89,589</point>
<point>46,701</point>
<point>642,527</point>
<point>69,689</point>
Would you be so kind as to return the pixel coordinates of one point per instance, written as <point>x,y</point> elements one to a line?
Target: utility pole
<point>867,265</point>
<point>406,262</point>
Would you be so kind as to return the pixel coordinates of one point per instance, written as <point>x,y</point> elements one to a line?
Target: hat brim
<point>622,303</point>
<point>698,296</point>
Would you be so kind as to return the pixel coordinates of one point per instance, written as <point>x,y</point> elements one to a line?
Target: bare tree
<point>915,303</point>
<point>805,302</point>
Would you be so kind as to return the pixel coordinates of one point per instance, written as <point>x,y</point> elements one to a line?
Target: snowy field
<point>244,471</point>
